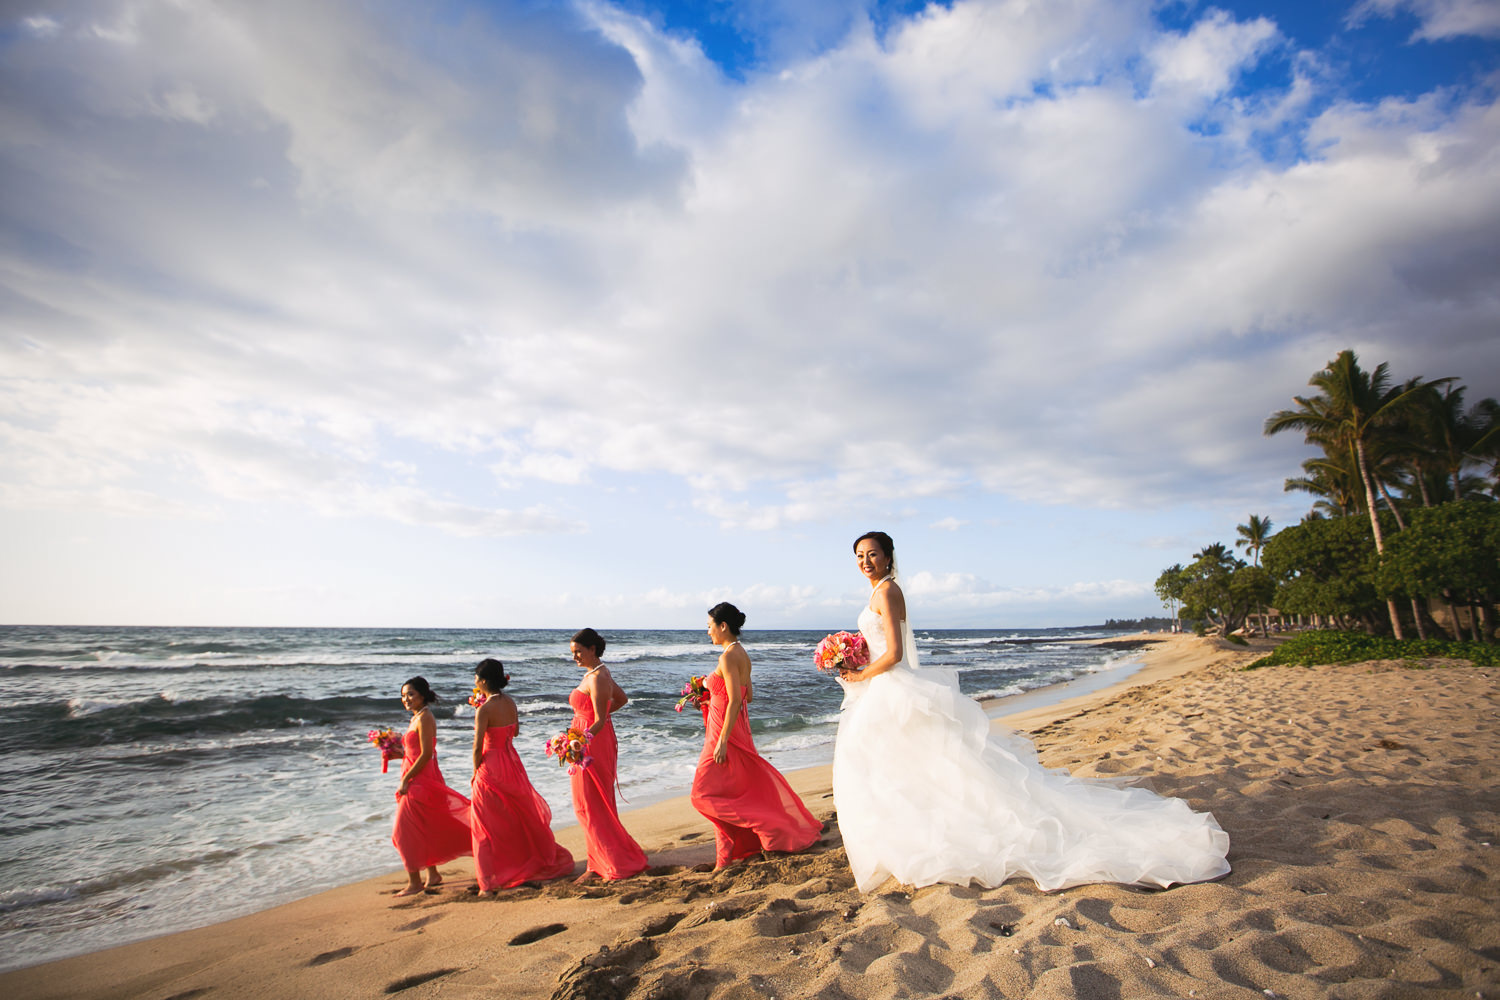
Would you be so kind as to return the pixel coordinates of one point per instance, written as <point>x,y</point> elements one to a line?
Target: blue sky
<point>549,314</point>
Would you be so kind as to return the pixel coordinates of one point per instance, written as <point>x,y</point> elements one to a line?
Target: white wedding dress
<point>927,792</point>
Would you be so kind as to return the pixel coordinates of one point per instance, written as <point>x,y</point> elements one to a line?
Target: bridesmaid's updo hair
<point>879,538</point>
<point>727,614</point>
<point>591,640</point>
<point>492,672</point>
<point>420,686</point>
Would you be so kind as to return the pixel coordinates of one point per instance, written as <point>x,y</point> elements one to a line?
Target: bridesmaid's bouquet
<point>571,748</point>
<point>842,651</point>
<point>389,744</point>
<point>478,697</point>
<point>694,692</point>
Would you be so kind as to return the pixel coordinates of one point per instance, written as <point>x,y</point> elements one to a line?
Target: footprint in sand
<point>662,924</point>
<point>609,972</point>
<point>331,956</point>
<point>537,934</point>
<point>419,923</point>
<point>417,980</point>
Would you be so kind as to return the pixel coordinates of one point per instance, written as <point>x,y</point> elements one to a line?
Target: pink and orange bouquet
<point>571,748</point>
<point>478,697</point>
<point>842,651</point>
<point>388,743</point>
<point>694,692</point>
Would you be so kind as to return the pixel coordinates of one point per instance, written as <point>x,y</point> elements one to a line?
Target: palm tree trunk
<point>1416,616</point>
<point>1400,521</point>
<point>1364,474</point>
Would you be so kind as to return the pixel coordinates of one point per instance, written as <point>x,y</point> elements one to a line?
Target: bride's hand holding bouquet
<point>842,652</point>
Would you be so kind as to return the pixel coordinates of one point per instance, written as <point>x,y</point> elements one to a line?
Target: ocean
<point>158,779</point>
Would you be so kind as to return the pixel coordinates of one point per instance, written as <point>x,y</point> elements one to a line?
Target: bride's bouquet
<point>571,748</point>
<point>388,743</point>
<point>842,651</point>
<point>694,693</point>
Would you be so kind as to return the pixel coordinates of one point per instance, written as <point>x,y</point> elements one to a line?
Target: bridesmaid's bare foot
<point>587,878</point>
<point>411,890</point>
<point>434,879</point>
<point>486,893</point>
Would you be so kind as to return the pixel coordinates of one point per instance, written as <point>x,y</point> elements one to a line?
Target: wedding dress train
<point>927,792</point>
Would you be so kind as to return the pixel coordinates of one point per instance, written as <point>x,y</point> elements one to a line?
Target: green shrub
<point>1238,640</point>
<point>1312,648</point>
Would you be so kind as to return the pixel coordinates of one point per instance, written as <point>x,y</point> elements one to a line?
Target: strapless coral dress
<point>613,852</point>
<point>750,804</point>
<point>511,822</point>
<point>432,820</point>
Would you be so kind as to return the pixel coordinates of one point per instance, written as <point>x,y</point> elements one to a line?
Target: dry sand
<point>1361,803</point>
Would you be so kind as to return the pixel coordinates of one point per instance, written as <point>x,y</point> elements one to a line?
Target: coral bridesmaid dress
<point>750,804</point>
<point>432,820</point>
<point>613,853</point>
<point>512,823</point>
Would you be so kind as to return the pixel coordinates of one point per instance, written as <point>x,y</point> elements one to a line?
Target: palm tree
<point>1349,413</point>
<point>1216,553</point>
<point>1487,448</point>
<point>1253,536</point>
<point>1458,437</point>
<point>1334,484</point>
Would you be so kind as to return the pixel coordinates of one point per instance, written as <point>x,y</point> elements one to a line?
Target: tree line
<point>1404,530</point>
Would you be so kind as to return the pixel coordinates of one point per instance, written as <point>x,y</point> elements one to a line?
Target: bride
<point>928,792</point>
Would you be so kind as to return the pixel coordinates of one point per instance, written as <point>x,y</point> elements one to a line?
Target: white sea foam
<point>79,708</point>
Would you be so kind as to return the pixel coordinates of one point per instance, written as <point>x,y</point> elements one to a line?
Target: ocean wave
<point>79,708</point>
<point>83,721</point>
<point>189,662</point>
<point>796,741</point>
<point>632,654</point>
<point>32,896</point>
<point>1005,692</point>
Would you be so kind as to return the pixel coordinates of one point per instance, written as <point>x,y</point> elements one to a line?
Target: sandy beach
<point>1361,802</point>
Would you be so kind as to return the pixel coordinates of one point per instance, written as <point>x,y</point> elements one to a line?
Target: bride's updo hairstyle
<point>492,672</point>
<point>725,613</point>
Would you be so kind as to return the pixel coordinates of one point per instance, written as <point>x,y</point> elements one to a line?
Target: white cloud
<point>939,594</point>
<point>1439,19</point>
<point>309,261</point>
<point>949,524</point>
<point>1205,61</point>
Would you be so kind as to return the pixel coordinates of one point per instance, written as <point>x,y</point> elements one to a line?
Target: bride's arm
<point>891,604</point>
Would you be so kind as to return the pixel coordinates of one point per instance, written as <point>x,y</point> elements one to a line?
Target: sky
<point>552,314</point>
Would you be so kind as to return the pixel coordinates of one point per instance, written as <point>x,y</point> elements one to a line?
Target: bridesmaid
<point>612,852</point>
<point>512,825</point>
<point>432,820</point>
<point>750,804</point>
